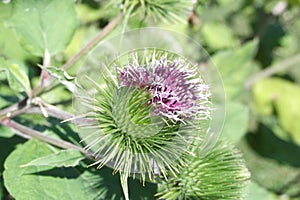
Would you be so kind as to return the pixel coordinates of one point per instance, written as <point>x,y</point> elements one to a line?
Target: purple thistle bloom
<point>178,91</point>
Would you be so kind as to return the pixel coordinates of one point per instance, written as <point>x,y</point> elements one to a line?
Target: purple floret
<point>178,92</point>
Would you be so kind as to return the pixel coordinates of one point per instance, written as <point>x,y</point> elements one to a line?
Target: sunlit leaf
<point>257,192</point>
<point>46,182</point>
<point>211,33</point>
<point>62,158</point>
<point>41,182</point>
<point>236,122</point>
<point>16,74</point>
<point>18,80</point>
<point>275,95</point>
<point>44,25</point>
<point>62,76</point>
<point>6,132</point>
<point>235,67</point>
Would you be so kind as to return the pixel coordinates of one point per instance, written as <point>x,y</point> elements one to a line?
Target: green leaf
<point>44,25</point>
<point>235,67</point>
<point>17,78</point>
<point>257,192</point>
<point>46,182</point>
<point>41,182</point>
<point>62,76</point>
<point>273,163</point>
<point>219,12</point>
<point>236,122</point>
<point>10,47</point>
<point>277,95</point>
<point>211,34</point>
<point>5,10</point>
<point>18,75</point>
<point>6,132</point>
<point>6,147</point>
<point>62,158</point>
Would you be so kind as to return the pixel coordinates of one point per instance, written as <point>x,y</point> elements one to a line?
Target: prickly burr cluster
<point>146,113</point>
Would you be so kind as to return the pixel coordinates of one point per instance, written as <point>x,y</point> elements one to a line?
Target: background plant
<point>254,43</point>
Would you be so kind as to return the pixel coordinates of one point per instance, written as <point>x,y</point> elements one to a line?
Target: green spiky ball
<point>221,174</point>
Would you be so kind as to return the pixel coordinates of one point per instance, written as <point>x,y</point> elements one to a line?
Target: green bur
<point>220,174</point>
<point>131,139</point>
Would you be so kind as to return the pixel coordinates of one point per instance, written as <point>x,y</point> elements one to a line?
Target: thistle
<point>145,115</point>
<point>175,91</point>
<point>220,174</point>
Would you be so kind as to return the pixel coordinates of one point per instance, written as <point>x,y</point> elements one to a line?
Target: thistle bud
<point>220,174</point>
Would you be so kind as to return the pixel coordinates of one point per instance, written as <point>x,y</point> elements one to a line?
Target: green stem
<point>30,133</point>
<point>274,69</point>
<point>45,78</point>
<point>94,41</point>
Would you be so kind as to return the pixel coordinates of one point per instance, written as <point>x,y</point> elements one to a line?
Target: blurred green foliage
<point>243,37</point>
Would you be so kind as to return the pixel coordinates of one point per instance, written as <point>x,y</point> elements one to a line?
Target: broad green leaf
<point>41,182</point>
<point>62,158</point>
<point>44,182</point>
<point>6,132</point>
<point>273,163</point>
<point>219,36</point>
<point>17,78</point>
<point>44,25</point>
<point>275,95</point>
<point>236,122</point>
<point>7,145</point>
<point>235,67</point>
<point>257,192</point>
<point>18,75</point>
<point>10,47</point>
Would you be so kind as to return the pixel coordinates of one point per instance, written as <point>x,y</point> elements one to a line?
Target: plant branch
<point>37,106</point>
<point>46,63</point>
<point>45,76</point>
<point>30,133</point>
<point>283,65</point>
<point>53,111</point>
<point>110,26</point>
<point>8,112</point>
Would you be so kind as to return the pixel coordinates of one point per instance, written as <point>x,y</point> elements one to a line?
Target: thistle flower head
<point>177,92</point>
<point>146,114</point>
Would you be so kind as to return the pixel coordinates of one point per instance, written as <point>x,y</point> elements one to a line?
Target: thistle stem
<point>8,112</point>
<point>94,41</point>
<point>28,133</point>
<point>45,76</point>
